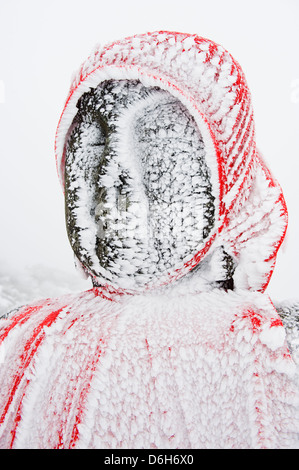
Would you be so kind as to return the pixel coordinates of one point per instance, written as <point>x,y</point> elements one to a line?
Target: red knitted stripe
<point>250,230</point>
<point>89,373</point>
<point>197,258</point>
<point>30,349</point>
<point>19,319</point>
<point>246,160</point>
<point>109,293</point>
<point>213,48</point>
<point>239,123</point>
<point>232,156</point>
<point>277,245</point>
<point>233,202</point>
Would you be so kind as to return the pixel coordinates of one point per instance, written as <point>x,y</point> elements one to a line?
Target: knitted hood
<point>243,218</point>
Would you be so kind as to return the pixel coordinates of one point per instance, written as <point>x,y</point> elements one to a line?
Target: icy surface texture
<point>188,365</point>
<point>243,212</point>
<point>289,313</point>
<point>147,371</point>
<point>138,192</point>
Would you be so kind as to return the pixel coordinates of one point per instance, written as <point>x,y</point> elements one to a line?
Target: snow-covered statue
<point>176,218</point>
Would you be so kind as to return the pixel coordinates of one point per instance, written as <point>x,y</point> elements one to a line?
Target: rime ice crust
<point>211,85</point>
<point>138,191</point>
<point>200,361</point>
<point>148,371</point>
<point>289,313</point>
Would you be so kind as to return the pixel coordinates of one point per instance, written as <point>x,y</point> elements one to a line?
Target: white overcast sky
<point>43,42</point>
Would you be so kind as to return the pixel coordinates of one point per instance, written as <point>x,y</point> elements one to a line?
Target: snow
<point>226,130</point>
<point>167,217</point>
<point>148,385</point>
<point>23,286</point>
<point>274,338</point>
<point>289,311</point>
<point>201,362</point>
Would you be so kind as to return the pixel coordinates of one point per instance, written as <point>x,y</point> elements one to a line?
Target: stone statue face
<point>137,193</point>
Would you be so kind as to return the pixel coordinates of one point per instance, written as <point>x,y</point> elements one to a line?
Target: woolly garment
<point>177,345</point>
<point>209,370</point>
<point>211,85</point>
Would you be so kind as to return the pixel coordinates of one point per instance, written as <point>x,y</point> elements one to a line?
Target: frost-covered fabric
<point>209,83</point>
<point>208,370</point>
<point>174,215</point>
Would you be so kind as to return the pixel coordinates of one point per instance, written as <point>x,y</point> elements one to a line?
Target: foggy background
<point>43,42</point>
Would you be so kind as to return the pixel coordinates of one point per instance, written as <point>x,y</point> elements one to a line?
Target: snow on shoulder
<point>177,221</point>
